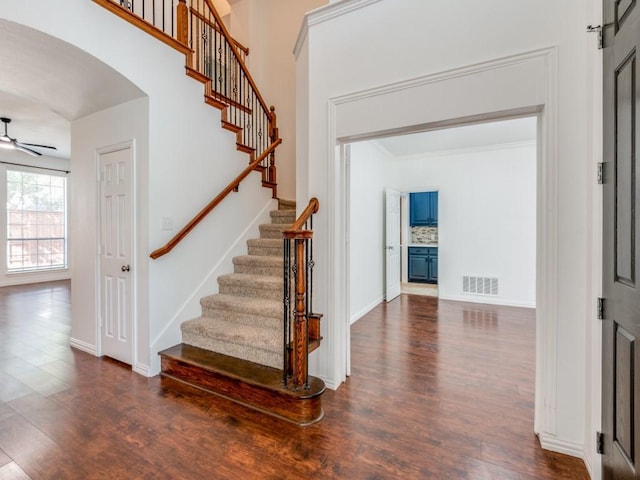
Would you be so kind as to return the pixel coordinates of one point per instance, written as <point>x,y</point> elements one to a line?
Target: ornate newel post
<point>298,271</point>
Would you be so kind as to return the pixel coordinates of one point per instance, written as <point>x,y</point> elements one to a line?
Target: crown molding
<point>326,13</point>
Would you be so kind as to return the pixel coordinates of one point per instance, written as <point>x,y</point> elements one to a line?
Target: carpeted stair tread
<point>247,285</point>
<point>286,204</point>
<point>273,230</point>
<point>283,216</point>
<point>257,344</point>
<point>244,319</point>
<point>265,246</point>
<point>225,304</point>
<point>268,265</point>
<point>261,320</point>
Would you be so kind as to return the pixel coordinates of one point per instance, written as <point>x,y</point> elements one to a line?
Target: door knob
<point>125,268</point>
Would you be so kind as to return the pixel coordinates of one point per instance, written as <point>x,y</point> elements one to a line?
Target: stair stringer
<point>170,334</point>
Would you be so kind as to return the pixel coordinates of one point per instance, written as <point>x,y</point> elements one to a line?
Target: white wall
<point>190,159</point>
<point>434,65</point>
<point>270,29</point>
<point>23,159</point>
<point>128,122</point>
<point>368,179</point>
<point>486,218</point>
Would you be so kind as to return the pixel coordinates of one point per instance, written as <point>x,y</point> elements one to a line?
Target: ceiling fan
<point>9,143</point>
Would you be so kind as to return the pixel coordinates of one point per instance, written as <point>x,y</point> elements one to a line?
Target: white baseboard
<point>590,471</point>
<point>365,310</point>
<point>329,384</point>
<point>83,346</point>
<point>486,299</point>
<point>142,369</point>
<point>550,442</point>
<point>34,277</point>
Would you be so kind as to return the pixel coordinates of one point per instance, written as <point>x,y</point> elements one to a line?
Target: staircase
<point>252,341</point>
<point>235,348</point>
<point>244,320</point>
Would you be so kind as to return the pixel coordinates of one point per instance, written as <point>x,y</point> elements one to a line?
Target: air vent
<point>480,285</point>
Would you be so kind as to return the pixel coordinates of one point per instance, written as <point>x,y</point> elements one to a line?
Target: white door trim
<point>392,248</point>
<point>131,145</point>
<point>545,61</point>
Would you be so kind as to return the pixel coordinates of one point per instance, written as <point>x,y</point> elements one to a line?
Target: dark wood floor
<point>439,390</point>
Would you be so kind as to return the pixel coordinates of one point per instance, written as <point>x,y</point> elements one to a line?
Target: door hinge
<point>598,30</point>
<point>600,308</point>
<point>600,173</point>
<point>600,443</point>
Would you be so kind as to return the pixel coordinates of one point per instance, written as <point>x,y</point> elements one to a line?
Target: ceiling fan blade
<point>36,145</point>
<point>24,149</point>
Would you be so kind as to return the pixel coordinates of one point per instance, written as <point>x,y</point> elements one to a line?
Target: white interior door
<point>392,244</point>
<point>115,254</point>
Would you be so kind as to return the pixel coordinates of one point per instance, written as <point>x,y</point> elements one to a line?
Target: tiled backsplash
<point>424,235</point>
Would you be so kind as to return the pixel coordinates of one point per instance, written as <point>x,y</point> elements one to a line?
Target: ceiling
<point>33,122</point>
<point>460,138</point>
<point>46,83</point>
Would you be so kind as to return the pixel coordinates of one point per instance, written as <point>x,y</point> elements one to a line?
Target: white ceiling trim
<point>459,151</point>
<point>326,13</point>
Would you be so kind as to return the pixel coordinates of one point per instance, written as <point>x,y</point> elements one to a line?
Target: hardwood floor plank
<point>439,390</point>
<point>4,459</point>
<point>35,453</point>
<point>11,471</point>
<point>11,388</point>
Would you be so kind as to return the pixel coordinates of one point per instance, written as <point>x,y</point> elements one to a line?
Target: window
<point>36,221</point>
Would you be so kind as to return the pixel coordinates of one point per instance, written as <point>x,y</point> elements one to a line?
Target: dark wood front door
<point>621,327</point>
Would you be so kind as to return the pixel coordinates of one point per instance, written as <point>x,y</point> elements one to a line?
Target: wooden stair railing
<point>164,19</point>
<point>216,59</point>
<point>233,186</point>
<point>158,21</point>
<point>301,325</point>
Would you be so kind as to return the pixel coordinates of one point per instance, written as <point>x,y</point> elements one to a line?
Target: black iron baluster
<point>236,86</point>
<point>311,265</point>
<point>219,62</point>
<point>286,306</point>
<point>226,69</point>
<point>265,137</point>
<point>306,315</point>
<point>195,35</point>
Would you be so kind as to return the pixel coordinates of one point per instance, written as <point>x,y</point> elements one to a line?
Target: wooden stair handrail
<point>161,35</point>
<point>241,46</point>
<point>233,185</point>
<point>235,51</point>
<point>214,25</point>
<point>296,228</point>
<point>143,24</point>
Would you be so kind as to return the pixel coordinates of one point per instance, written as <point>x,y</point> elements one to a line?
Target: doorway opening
<point>473,234</point>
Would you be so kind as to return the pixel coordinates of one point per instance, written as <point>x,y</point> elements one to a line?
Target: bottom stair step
<point>247,383</point>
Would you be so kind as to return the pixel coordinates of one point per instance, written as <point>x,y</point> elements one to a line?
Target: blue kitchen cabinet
<point>423,209</point>
<point>433,266</point>
<point>423,264</point>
